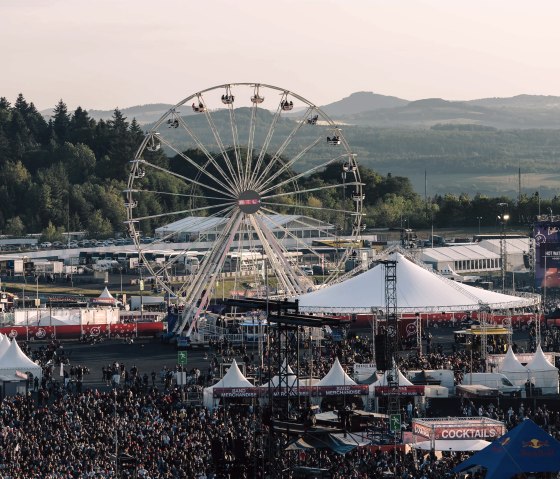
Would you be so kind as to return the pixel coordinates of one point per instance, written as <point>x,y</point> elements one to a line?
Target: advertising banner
<point>400,390</point>
<point>547,254</point>
<point>458,431</point>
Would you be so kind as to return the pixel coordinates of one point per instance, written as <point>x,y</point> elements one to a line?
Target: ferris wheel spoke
<point>175,232</point>
<point>182,195</point>
<point>182,212</point>
<point>306,207</point>
<point>188,180</point>
<point>206,153</point>
<point>278,257</point>
<point>250,146</point>
<point>235,140</point>
<point>214,260</point>
<point>199,168</point>
<point>286,166</point>
<point>293,179</point>
<point>323,232</point>
<point>266,142</point>
<point>277,156</point>
<point>220,143</point>
<point>311,190</point>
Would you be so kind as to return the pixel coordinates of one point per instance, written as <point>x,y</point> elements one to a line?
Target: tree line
<point>69,173</point>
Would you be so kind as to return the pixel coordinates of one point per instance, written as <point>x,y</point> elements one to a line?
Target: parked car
<point>46,244</point>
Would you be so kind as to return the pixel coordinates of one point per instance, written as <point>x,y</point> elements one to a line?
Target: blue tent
<point>526,448</point>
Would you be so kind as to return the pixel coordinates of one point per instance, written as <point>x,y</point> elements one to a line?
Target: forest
<point>69,173</point>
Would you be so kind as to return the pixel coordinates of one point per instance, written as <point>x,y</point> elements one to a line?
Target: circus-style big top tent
<point>418,290</point>
<point>15,360</point>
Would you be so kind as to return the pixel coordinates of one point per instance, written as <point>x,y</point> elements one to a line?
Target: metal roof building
<point>477,257</point>
<point>199,228</point>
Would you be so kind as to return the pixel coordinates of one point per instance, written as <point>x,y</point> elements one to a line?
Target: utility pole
<point>503,217</point>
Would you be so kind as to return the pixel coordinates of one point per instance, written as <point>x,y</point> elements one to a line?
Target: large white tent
<point>15,360</point>
<point>513,369</point>
<point>543,374</point>
<point>418,290</point>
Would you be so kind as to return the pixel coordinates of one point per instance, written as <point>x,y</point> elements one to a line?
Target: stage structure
<point>285,333</point>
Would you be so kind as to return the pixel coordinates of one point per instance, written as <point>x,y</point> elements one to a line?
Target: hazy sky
<point>109,53</point>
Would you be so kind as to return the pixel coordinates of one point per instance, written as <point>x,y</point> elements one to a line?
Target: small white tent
<point>543,374</point>
<point>513,369</point>
<point>290,378</point>
<point>106,298</point>
<point>233,378</point>
<point>336,377</point>
<point>383,381</point>
<point>14,360</point>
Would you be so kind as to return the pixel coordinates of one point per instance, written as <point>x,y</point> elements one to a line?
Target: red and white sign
<point>458,431</point>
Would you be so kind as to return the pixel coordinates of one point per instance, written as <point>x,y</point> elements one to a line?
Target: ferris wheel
<point>248,185</point>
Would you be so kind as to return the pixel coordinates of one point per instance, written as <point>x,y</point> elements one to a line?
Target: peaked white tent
<point>543,374</point>
<point>513,369</point>
<point>336,377</point>
<point>382,381</point>
<point>233,378</point>
<point>15,360</point>
<point>106,298</point>
<point>418,290</point>
<point>4,344</point>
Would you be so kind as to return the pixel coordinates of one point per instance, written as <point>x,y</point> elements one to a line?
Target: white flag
<point>61,370</point>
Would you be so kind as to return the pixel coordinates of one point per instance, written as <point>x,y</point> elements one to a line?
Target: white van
<point>493,380</point>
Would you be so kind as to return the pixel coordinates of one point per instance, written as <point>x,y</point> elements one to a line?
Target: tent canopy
<point>526,448</point>
<point>511,364</point>
<point>105,298</point>
<point>339,443</point>
<point>233,378</point>
<point>14,359</point>
<point>539,362</point>
<point>382,381</point>
<point>418,290</point>
<point>336,377</point>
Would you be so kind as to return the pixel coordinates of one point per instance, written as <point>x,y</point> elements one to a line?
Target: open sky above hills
<point>107,54</point>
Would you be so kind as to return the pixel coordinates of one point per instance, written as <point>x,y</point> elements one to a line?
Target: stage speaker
<point>381,359</point>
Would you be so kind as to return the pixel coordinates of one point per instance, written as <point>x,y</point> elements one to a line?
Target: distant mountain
<point>514,114</point>
<point>520,101</point>
<point>143,113</point>
<point>373,110</point>
<point>360,102</point>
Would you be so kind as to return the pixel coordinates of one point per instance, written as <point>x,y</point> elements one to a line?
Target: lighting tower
<point>503,217</point>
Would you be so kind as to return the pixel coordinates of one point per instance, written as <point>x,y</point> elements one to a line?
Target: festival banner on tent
<point>400,390</point>
<point>321,391</point>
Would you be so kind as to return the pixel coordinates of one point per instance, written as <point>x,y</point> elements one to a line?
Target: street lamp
<point>479,218</point>
<point>503,217</point>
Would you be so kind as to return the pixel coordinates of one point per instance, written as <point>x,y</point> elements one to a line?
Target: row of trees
<point>68,173</point>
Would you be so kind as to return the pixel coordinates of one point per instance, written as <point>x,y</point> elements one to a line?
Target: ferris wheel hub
<point>249,202</point>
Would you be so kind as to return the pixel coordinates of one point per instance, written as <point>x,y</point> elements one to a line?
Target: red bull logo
<point>535,444</point>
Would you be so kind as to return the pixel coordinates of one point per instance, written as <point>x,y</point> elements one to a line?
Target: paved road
<point>147,355</point>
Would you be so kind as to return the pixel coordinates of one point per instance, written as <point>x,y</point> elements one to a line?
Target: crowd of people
<point>143,424</point>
